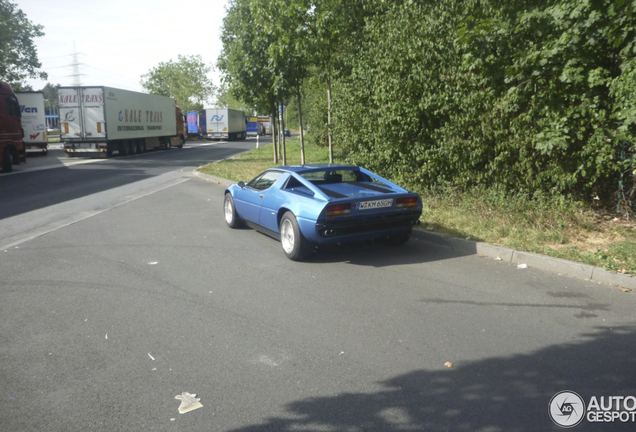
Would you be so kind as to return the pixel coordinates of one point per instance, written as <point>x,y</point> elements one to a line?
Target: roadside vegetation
<point>557,227</point>
<point>516,121</point>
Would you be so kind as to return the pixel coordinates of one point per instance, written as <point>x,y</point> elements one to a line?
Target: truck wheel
<point>123,148</point>
<point>7,161</point>
<point>132,147</point>
<point>139,146</point>
<point>181,142</point>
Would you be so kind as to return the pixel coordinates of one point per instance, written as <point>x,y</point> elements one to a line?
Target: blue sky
<point>117,41</point>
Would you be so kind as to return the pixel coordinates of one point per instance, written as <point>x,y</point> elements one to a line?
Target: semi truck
<point>255,127</point>
<point>203,125</point>
<point>194,128</point>
<point>252,127</point>
<point>104,120</point>
<point>12,148</point>
<point>33,121</point>
<point>225,123</point>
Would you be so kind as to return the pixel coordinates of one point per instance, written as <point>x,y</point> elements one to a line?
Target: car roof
<point>299,169</point>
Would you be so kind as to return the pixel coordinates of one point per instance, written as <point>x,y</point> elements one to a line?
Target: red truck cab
<point>12,148</point>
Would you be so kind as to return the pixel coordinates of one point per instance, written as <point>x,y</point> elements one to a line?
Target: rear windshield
<point>335,176</point>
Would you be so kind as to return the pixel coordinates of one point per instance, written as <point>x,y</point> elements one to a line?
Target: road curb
<point>533,260</point>
<point>211,178</point>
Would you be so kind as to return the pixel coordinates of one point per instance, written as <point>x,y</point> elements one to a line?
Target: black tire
<point>181,142</point>
<point>139,146</point>
<point>123,148</point>
<point>7,161</point>
<point>229,212</point>
<point>295,245</point>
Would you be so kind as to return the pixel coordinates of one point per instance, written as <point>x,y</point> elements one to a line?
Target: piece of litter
<point>151,357</point>
<point>522,266</point>
<point>627,289</point>
<point>153,263</point>
<point>106,335</point>
<point>481,256</point>
<point>341,353</point>
<point>189,402</point>
<point>172,419</point>
<point>499,258</point>
<point>448,364</point>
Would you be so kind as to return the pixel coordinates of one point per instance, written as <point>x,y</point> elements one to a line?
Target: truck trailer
<point>103,120</point>
<point>12,148</point>
<point>33,121</point>
<point>225,123</point>
<point>194,128</point>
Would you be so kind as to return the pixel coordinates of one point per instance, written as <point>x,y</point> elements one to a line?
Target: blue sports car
<point>309,205</point>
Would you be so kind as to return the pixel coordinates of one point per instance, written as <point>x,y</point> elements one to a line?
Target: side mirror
<point>241,185</point>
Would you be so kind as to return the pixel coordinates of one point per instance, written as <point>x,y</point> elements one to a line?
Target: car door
<point>248,204</point>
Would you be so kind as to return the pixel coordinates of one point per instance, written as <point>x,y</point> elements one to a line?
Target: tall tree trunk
<point>300,121</point>
<point>329,118</point>
<point>271,129</point>
<point>282,126</point>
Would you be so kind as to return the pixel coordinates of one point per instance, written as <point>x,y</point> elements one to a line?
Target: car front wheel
<point>229,211</point>
<point>295,246</point>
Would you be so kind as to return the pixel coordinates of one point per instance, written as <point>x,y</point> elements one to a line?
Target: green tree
<point>250,76</point>
<point>333,25</point>
<point>18,55</point>
<point>185,80</point>
<point>50,95</point>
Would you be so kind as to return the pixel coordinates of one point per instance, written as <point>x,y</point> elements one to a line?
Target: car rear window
<point>334,176</point>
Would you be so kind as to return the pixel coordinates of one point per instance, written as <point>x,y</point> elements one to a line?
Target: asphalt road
<point>122,288</point>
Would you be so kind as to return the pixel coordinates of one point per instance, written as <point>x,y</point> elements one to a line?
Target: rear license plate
<point>365,205</point>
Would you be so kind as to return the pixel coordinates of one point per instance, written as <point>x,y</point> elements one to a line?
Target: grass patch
<point>554,226</point>
<point>248,165</point>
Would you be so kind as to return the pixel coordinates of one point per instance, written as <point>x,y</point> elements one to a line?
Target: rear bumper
<point>94,150</point>
<point>361,229</point>
<point>85,147</point>
<point>36,148</point>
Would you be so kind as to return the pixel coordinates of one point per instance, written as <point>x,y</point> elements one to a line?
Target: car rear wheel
<point>295,246</point>
<point>231,218</point>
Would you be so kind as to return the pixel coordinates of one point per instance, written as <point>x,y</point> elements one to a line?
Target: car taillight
<point>338,209</point>
<point>406,202</point>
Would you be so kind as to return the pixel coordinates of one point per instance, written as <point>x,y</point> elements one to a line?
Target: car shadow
<point>510,393</point>
<point>378,254</point>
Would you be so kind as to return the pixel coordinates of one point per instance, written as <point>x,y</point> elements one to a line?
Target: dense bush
<point>525,95</point>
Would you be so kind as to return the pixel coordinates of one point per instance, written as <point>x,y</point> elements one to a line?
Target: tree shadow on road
<point>497,394</point>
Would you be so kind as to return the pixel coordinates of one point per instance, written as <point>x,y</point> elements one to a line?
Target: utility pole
<point>75,65</point>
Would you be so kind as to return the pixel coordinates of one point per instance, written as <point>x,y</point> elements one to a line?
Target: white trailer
<point>98,119</point>
<point>225,123</point>
<point>33,121</point>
